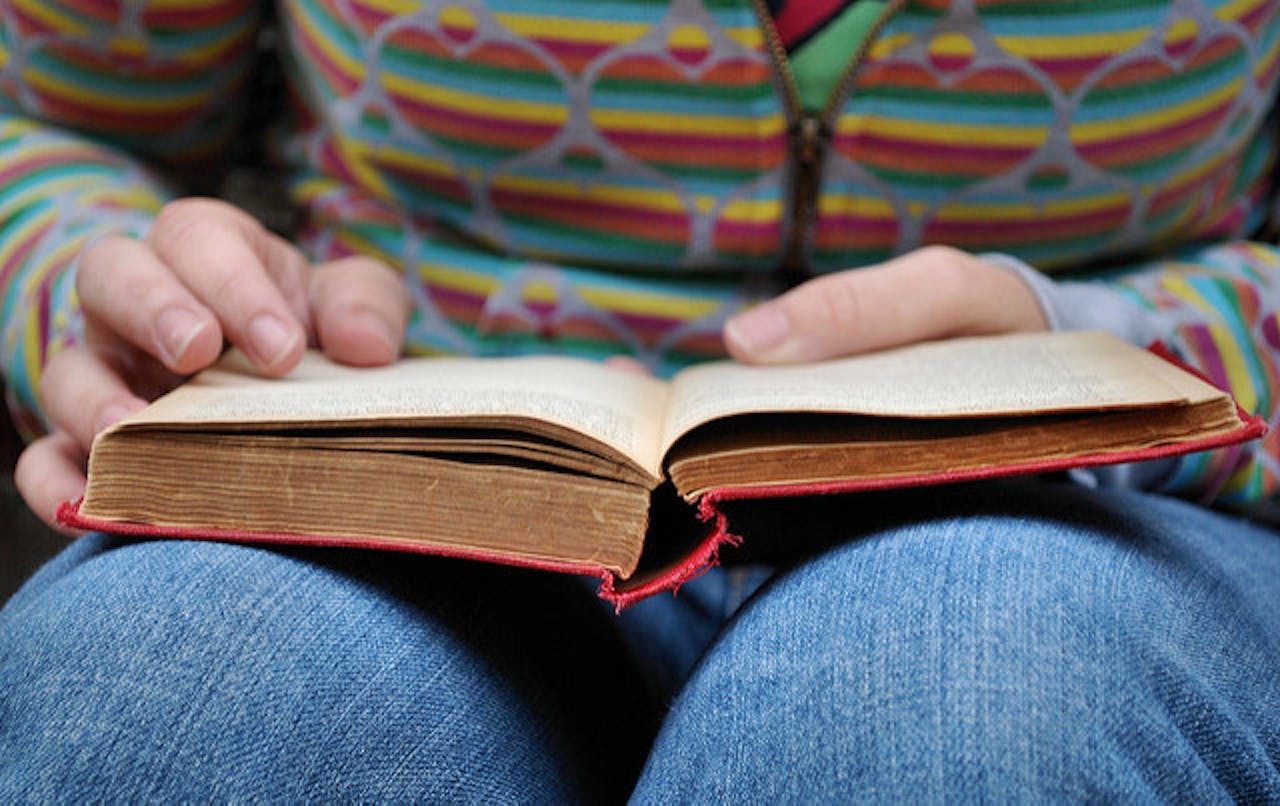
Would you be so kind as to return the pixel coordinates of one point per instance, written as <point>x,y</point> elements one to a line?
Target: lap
<point>190,670</point>
<point>998,640</point>
<point>1021,637</point>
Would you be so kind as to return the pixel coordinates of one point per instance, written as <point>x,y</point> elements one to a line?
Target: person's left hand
<point>932,293</point>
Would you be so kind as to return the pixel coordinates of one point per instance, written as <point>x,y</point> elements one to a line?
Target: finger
<point>128,292</point>
<point>361,309</point>
<point>146,377</point>
<point>82,395</point>
<point>289,270</point>
<point>931,293</point>
<point>222,256</point>
<point>50,471</point>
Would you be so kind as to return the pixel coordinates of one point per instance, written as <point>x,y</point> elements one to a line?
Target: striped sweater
<point>594,177</point>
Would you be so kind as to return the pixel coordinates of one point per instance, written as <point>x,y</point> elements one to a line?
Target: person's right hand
<point>162,308</point>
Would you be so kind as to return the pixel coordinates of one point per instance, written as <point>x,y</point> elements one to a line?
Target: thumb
<point>931,293</point>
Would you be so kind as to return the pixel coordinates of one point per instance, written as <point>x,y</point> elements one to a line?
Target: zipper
<point>809,133</point>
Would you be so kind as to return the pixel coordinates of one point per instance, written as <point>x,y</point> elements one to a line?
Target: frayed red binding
<point>704,557</point>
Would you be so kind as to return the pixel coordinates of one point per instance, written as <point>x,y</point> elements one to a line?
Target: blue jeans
<point>1011,641</point>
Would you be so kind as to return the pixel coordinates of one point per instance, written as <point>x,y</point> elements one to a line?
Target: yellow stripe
<point>683,308</point>
<point>351,67</point>
<point>499,108</point>
<point>752,210</point>
<point>53,187</point>
<point>888,43</point>
<point>1178,286</point>
<point>394,8</point>
<point>416,161</point>
<point>1130,125</point>
<point>468,282</point>
<point>134,198</point>
<point>917,132</point>
<point>1267,60</point>
<point>355,154</point>
<point>192,5</point>
<point>93,98</point>
<point>214,53</point>
<point>352,154</point>
<point>15,240</point>
<point>750,36</point>
<point>1237,10</point>
<point>1063,46</point>
<point>842,204</point>
<point>1021,211</point>
<point>1239,380</point>
<point>52,261</point>
<point>632,302</point>
<point>1199,169</point>
<point>572,29</point>
<point>363,246</point>
<point>52,17</point>
<point>656,199</point>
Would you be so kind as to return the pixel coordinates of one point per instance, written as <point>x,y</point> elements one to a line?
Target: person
<point>783,181</point>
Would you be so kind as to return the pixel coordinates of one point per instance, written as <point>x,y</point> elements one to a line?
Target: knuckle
<point>183,220</point>
<point>56,368</point>
<point>835,305</point>
<point>360,280</point>
<point>28,472</point>
<point>97,263</point>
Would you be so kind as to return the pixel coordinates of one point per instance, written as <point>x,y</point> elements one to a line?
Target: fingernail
<point>758,330</point>
<point>178,327</point>
<point>379,328</point>
<point>272,340</point>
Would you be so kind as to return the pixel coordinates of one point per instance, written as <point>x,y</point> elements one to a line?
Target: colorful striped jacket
<point>595,177</point>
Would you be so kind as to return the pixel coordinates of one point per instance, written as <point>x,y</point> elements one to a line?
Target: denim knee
<point>1079,646</point>
<point>202,670</point>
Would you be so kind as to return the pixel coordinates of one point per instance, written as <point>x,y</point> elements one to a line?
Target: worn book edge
<point>706,552</point>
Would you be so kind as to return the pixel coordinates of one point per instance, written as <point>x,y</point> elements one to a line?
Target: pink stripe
<point>339,80</point>
<point>772,147</point>
<point>570,51</point>
<point>747,230</point>
<point>1074,65</point>
<point>1210,360</point>
<point>527,133</point>
<point>935,152</point>
<point>18,168</point>
<point>42,314</point>
<point>993,231</point>
<point>20,255</point>
<point>628,219</point>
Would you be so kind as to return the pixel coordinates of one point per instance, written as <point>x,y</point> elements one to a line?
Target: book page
<point>623,410</point>
<point>983,376</point>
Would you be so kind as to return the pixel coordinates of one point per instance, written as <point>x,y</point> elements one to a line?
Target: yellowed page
<point>974,376</point>
<point>623,410</point>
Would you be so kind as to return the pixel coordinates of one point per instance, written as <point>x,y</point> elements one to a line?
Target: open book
<point>554,462</point>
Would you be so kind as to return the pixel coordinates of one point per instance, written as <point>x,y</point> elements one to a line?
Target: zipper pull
<point>809,140</point>
<point>808,146</point>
